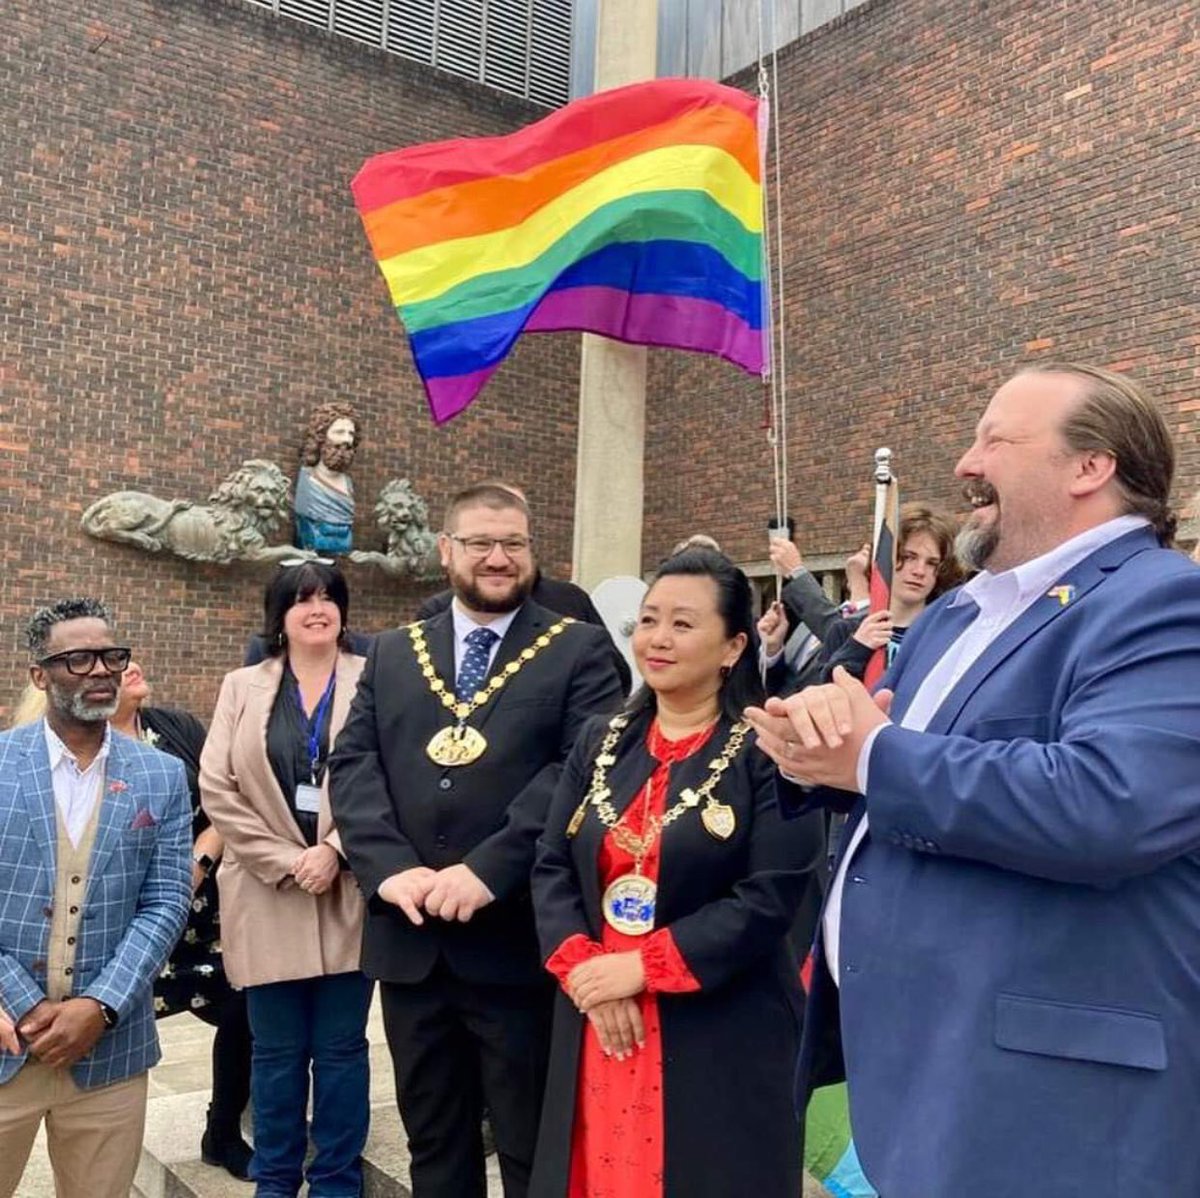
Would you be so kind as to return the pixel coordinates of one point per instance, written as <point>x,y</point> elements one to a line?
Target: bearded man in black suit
<point>440,782</point>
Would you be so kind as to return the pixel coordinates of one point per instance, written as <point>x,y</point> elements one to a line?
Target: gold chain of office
<point>718,818</point>
<point>459,744</point>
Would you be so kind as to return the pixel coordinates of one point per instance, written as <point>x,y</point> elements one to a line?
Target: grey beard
<point>974,546</point>
<point>77,709</point>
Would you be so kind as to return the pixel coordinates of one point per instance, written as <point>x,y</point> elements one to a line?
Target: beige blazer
<point>271,930</point>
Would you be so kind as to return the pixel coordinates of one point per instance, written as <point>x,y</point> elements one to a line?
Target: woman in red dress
<point>664,888</point>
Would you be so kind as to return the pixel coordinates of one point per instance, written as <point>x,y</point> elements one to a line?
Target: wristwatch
<point>107,1014</point>
<point>206,863</point>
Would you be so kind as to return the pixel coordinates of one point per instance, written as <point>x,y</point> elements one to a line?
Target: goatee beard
<point>974,546</point>
<point>471,596</point>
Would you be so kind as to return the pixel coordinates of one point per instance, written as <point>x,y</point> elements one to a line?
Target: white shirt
<point>75,791</point>
<point>1001,598</point>
<point>464,625</point>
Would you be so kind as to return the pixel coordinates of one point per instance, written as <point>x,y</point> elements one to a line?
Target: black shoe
<point>226,1150</point>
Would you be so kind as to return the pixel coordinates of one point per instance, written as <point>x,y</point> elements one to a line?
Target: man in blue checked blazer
<point>95,885</point>
<point>1010,948</point>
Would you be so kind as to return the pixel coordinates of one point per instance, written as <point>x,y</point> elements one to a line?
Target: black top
<point>287,749</point>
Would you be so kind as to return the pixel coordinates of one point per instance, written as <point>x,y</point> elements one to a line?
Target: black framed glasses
<point>83,661</point>
<point>481,546</point>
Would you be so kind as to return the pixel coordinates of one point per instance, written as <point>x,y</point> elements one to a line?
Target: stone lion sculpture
<point>232,526</point>
<point>411,547</point>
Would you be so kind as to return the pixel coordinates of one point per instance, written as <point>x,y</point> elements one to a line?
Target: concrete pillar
<point>612,376</point>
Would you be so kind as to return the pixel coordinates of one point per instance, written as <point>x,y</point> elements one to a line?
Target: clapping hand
<point>817,734</point>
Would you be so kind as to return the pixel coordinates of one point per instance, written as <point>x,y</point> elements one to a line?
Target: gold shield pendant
<point>629,904</point>
<point>457,745</point>
<point>719,820</point>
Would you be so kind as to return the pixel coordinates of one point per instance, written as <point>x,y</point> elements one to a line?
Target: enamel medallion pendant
<point>456,745</point>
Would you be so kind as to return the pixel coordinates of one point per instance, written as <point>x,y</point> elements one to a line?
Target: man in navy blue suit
<point>1013,931</point>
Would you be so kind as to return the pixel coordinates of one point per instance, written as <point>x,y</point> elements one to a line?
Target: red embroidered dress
<point>617,1141</point>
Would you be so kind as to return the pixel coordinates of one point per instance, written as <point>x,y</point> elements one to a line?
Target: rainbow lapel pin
<point>1064,593</point>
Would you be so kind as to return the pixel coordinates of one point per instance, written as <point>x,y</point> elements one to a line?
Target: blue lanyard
<point>313,725</point>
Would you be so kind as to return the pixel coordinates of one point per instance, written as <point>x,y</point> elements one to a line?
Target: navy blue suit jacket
<point>1020,944</point>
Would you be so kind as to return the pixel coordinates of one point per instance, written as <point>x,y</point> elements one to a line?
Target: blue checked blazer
<point>135,905</point>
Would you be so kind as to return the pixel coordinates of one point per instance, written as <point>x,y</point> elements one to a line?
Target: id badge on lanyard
<point>308,794</point>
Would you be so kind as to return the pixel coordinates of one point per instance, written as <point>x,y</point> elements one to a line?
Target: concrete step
<point>171,1167</point>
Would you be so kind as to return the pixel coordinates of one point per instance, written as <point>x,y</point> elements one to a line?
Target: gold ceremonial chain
<point>718,818</point>
<point>458,744</point>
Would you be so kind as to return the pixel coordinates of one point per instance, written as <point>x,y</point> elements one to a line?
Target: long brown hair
<point>1117,417</point>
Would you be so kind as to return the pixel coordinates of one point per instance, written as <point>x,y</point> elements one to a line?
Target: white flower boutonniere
<point>150,737</point>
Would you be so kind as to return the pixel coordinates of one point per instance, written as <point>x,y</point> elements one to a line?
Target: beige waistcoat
<point>70,885</point>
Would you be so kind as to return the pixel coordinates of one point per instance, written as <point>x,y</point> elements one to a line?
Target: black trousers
<point>455,1047</point>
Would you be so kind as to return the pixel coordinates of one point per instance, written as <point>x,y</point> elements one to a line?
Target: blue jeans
<point>319,1021</point>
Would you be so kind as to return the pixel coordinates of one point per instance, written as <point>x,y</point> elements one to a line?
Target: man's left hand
<point>457,894</point>
<point>605,978</point>
<point>817,734</point>
<point>77,1024</point>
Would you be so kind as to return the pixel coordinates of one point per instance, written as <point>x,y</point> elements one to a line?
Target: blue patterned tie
<point>474,666</point>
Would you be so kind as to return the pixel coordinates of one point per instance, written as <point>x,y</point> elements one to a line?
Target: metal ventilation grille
<point>311,12</point>
<point>550,61</point>
<point>522,47</point>
<point>506,47</point>
<point>460,37</point>
<point>360,19</point>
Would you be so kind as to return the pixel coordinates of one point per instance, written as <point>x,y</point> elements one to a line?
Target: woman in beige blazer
<point>291,913</point>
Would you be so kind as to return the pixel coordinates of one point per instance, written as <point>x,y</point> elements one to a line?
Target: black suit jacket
<point>565,598</point>
<point>395,809</point>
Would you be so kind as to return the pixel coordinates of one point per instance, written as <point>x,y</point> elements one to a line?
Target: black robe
<point>729,1049</point>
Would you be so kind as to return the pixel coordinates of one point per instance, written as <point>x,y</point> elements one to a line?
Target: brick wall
<point>184,277</point>
<point>967,186</point>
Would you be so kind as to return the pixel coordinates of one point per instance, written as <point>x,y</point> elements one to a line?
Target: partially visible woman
<point>664,887</point>
<point>29,707</point>
<point>194,978</point>
<point>291,912</point>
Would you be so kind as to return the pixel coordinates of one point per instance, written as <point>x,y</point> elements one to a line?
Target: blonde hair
<point>30,706</point>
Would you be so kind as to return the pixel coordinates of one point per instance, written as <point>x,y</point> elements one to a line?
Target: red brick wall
<point>967,186</point>
<point>184,277</point>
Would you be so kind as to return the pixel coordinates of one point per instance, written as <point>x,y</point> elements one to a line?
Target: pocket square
<point>143,819</point>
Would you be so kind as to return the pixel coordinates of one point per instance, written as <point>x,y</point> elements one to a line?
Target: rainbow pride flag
<point>635,213</point>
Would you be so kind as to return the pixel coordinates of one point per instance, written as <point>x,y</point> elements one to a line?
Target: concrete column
<point>612,376</point>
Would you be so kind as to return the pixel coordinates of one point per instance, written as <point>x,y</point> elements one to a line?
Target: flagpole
<point>883,480</point>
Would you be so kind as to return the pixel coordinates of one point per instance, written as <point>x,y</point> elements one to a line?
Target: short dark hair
<point>293,584</point>
<point>1117,417</point>
<point>490,495</point>
<point>41,623</point>
<point>916,518</point>
<point>735,605</point>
